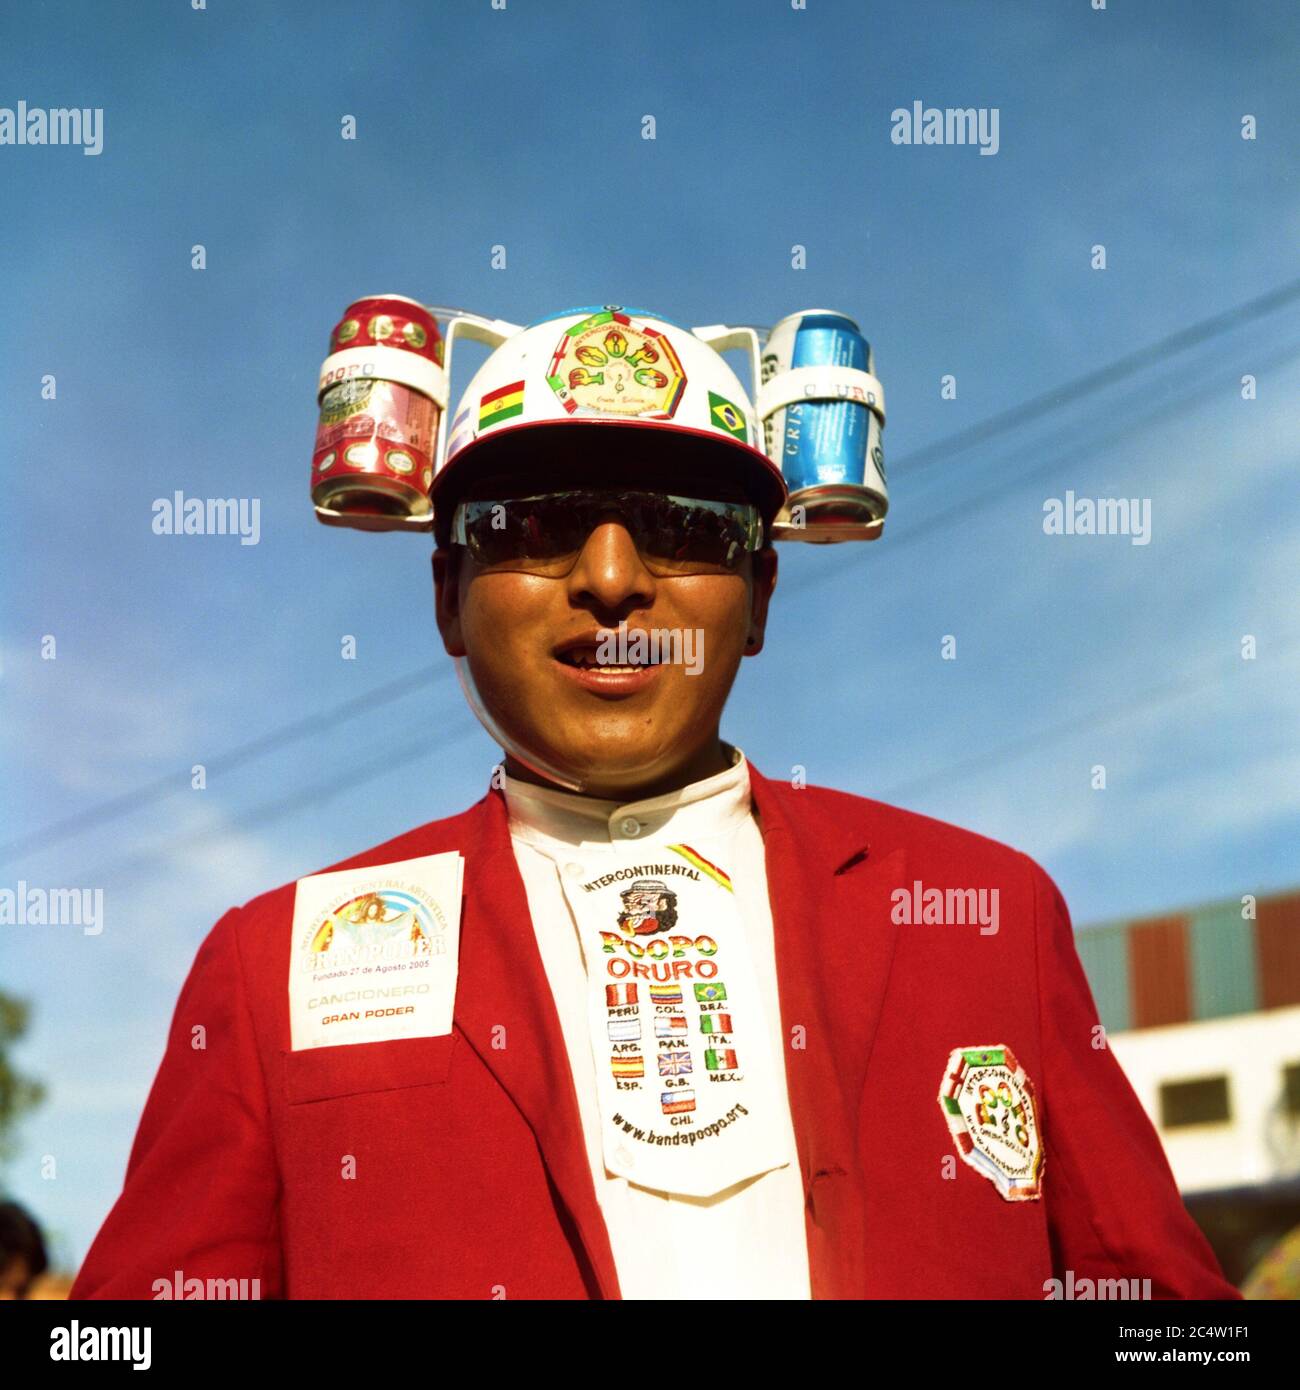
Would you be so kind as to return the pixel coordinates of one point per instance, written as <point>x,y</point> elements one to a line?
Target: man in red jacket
<point>641,1022</point>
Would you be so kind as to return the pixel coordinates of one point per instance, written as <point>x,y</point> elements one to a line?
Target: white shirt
<point>748,1241</point>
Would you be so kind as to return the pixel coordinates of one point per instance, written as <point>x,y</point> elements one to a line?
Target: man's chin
<point>612,763</point>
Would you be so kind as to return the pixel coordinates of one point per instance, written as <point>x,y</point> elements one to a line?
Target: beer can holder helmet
<point>678,383</point>
<point>672,379</point>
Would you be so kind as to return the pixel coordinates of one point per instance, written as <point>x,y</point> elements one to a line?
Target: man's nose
<point>610,570</point>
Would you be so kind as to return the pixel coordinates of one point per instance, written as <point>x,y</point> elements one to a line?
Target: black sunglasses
<point>544,533</point>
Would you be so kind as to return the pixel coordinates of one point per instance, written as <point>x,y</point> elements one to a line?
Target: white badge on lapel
<point>988,1100</point>
<point>374,952</point>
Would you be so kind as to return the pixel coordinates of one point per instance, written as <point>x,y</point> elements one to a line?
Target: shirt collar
<point>548,817</point>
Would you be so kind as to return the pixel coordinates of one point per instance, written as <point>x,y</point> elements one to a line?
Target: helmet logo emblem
<point>609,365</point>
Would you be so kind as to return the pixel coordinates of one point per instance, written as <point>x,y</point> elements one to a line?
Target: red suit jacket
<point>470,1173</point>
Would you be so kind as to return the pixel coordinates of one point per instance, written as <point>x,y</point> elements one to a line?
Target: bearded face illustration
<point>649,907</point>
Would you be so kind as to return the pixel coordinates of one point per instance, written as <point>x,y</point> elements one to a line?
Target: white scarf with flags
<point>691,1097</point>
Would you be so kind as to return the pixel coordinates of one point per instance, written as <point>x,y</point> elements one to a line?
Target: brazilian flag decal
<point>727,417</point>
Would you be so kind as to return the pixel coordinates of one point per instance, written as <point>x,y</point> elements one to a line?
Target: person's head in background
<point>22,1252</point>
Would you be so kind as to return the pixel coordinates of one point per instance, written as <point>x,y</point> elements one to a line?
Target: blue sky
<point>522,128</point>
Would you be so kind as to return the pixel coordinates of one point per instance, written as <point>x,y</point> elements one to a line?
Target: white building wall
<point>1260,1143</point>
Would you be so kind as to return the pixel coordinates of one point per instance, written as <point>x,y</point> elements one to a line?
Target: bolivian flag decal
<point>728,417</point>
<point>501,404</point>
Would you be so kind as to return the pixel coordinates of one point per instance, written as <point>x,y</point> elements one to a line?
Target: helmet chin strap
<point>525,757</point>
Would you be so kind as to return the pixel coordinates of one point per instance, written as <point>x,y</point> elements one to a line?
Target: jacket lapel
<point>506,1013</point>
<point>834,941</point>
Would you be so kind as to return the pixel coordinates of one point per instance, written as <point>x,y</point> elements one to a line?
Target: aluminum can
<point>378,395</point>
<point>828,446</point>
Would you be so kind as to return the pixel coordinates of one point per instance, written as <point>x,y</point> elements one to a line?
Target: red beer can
<point>381,392</point>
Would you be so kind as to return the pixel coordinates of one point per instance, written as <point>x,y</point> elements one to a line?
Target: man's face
<point>531,643</point>
<point>643,900</point>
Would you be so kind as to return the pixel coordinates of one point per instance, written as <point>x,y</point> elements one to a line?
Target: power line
<point>383,761</point>
<point>1040,405</point>
<point>338,782</point>
<point>1014,749</point>
<point>1092,444</point>
<point>1070,391</point>
<point>118,806</point>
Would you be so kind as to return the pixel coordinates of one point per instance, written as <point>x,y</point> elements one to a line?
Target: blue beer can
<point>822,424</point>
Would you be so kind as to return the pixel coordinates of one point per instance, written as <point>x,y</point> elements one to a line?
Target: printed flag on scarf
<point>670,1026</point>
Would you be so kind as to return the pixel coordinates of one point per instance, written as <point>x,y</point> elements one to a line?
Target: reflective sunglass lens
<point>674,535</point>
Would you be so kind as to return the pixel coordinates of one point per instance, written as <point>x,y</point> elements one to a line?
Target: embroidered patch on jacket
<point>988,1101</point>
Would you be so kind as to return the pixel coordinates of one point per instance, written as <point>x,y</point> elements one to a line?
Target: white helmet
<point>610,366</point>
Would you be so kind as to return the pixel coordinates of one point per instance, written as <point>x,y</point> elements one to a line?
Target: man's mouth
<point>581,659</point>
<point>588,659</point>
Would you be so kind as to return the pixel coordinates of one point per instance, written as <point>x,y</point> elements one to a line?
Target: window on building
<point>1200,1102</point>
<point>1291,1088</point>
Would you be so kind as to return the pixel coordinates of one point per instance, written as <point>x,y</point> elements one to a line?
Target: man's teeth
<point>586,660</point>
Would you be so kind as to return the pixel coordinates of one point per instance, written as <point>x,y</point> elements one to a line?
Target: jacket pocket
<point>322,1073</point>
